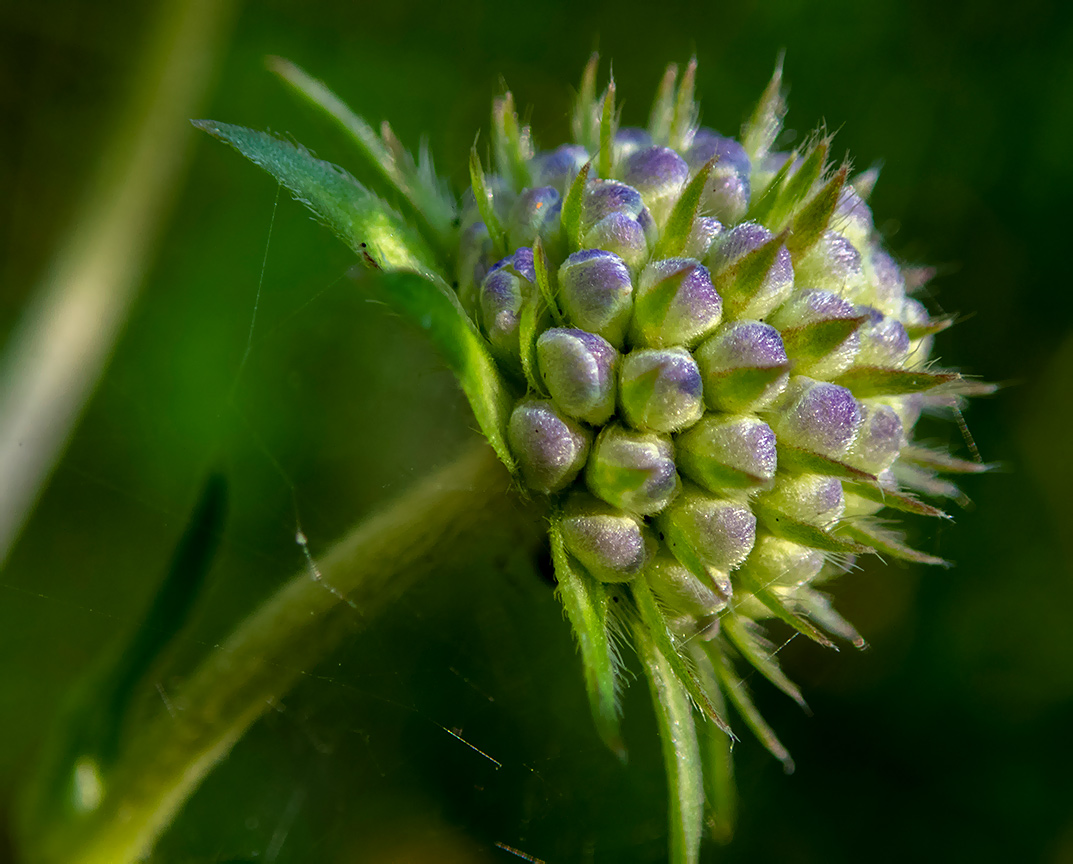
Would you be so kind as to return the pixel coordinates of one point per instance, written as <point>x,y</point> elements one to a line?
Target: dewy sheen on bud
<point>699,350</point>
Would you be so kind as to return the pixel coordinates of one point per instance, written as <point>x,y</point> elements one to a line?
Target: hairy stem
<point>454,516</point>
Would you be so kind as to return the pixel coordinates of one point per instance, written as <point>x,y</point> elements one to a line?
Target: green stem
<point>441,522</point>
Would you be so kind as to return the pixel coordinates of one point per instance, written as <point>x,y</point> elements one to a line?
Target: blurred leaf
<point>356,216</point>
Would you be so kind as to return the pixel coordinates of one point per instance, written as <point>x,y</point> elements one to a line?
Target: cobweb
<point>454,726</point>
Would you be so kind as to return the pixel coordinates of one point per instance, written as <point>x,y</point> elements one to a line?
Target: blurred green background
<point>949,739</point>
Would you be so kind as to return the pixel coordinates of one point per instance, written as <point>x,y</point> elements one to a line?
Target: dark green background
<point>951,738</point>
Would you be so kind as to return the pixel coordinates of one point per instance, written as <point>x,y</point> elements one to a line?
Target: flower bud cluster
<point>718,370</point>
<point>695,395</point>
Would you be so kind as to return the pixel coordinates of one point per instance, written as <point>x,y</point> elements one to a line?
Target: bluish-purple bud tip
<point>726,195</point>
<point>660,390</point>
<point>579,369</point>
<point>676,304</point>
<point>535,214</point>
<point>632,470</point>
<point>615,219</point>
<point>551,449</point>
<point>660,175</point>
<point>596,291</point>
<point>744,366</point>
<point>612,545</point>
<point>817,416</point>
<point>777,284</point>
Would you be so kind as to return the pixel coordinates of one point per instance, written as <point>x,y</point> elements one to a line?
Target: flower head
<point>697,348</point>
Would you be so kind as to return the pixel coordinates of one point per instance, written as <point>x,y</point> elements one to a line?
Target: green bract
<point>697,349</point>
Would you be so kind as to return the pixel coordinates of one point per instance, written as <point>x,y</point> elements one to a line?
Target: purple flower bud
<point>833,264</point>
<point>660,390</point>
<point>632,470</point>
<point>612,545</point>
<point>660,175</point>
<point>726,195</point>
<point>680,592</point>
<point>596,291</point>
<point>504,290</point>
<point>778,284</point>
<point>551,449</point>
<point>816,416</point>
<point>535,213</point>
<point>579,369</point>
<point>474,262</point>
<point>728,451</point>
<point>819,329</point>
<point>883,340</point>
<point>853,217</point>
<point>628,140</point>
<point>744,366</point>
<point>614,218</point>
<point>560,166</point>
<point>702,236</point>
<point>775,561</point>
<point>814,499</point>
<point>879,441</point>
<point>676,304</point>
<point>707,533</point>
<point>886,283</point>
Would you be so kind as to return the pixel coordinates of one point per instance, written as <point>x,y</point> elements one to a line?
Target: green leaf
<point>662,116</point>
<point>570,220</point>
<point>511,142</point>
<point>586,602</point>
<point>784,525</point>
<point>818,607</point>
<point>886,542</point>
<point>651,618</point>
<point>429,201</point>
<point>680,223</point>
<point>805,461</point>
<point>608,122</point>
<point>735,691</point>
<point>813,219</point>
<point>483,195</point>
<point>532,323</point>
<point>681,751</point>
<point>685,109</point>
<point>440,315</point>
<point>779,608</point>
<point>763,127</point>
<point>933,326</point>
<point>937,460</point>
<point>360,219</point>
<point>865,382</point>
<point>798,185</point>
<point>817,339</point>
<point>717,756</point>
<point>762,661</point>
<point>895,500</point>
<point>738,283</point>
<point>763,200</point>
<point>582,123</point>
<point>545,277</point>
